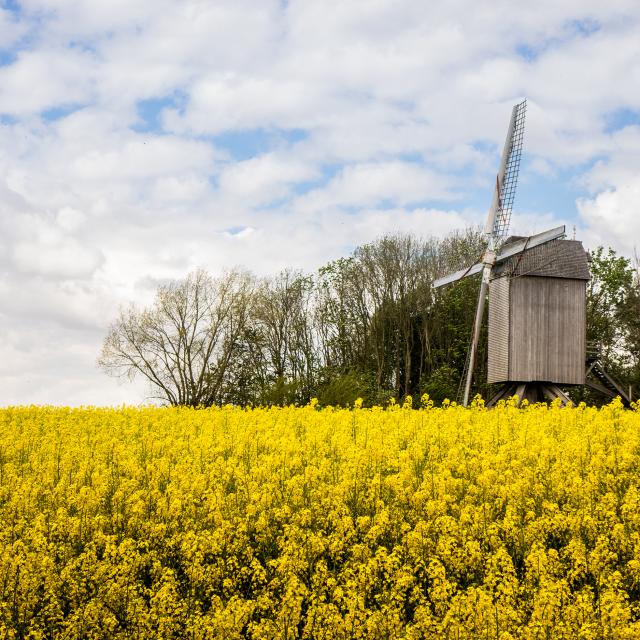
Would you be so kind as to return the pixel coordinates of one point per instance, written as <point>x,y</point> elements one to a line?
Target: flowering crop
<point>305,523</point>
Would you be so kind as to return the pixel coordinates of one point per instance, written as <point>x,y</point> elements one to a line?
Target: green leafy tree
<point>613,319</point>
<point>607,299</point>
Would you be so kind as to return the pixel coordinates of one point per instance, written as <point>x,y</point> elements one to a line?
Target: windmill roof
<point>512,239</point>
<point>555,259</point>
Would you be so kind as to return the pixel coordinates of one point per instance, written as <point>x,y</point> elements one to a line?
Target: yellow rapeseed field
<point>306,523</point>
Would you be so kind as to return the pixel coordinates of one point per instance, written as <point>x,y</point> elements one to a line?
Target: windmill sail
<point>497,224</point>
<point>496,228</point>
<point>507,178</point>
<point>507,252</point>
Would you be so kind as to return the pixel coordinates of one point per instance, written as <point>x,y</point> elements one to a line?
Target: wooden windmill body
<point>537,320</point>
<point>536,288</point>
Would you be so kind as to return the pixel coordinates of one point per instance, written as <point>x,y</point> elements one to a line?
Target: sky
<point>142,139</point>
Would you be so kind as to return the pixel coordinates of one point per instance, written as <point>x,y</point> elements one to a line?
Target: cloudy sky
<point>139,139</point>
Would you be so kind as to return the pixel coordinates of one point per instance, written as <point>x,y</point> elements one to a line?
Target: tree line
<point>368,325</point>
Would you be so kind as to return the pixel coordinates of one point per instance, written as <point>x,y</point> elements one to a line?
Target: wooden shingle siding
<point>498,365</point>
<point>547,330</point>
<point>555,259</point>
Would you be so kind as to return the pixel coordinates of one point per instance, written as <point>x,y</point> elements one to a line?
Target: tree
<point>607,295</point>
<point>451,318</point>
<point>613,327</point>
<point>628,319</point>
<point>378,322</point>
<point>283,325</point>
<point>184,343</point>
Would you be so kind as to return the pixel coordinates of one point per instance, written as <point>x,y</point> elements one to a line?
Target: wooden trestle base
<point>531,392</point>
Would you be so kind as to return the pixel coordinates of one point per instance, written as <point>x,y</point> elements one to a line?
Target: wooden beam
<point>511,250</point>
<point>505,391</point>
<point>601,388</point>
<point>548,393</point>
<point>458,275</point>
<point>559,393</point>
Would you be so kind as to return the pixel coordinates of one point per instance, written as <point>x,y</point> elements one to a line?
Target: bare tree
<point>283,320</point>
<point>342,315</point>
<point>184,343</point>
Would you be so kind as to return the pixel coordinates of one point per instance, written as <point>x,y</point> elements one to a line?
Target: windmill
<point>536,287</point>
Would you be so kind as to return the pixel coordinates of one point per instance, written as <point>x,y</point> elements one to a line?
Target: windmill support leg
<point>531,392</point>
<point>559,393</point>
<point>520,391</point>
<point>554,392</point>
<point>477,324</point>
<point>548,393</point>
<point>607,384</point>
<point>505,392</point>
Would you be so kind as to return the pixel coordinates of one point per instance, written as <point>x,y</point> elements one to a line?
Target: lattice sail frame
<point>512,170</point>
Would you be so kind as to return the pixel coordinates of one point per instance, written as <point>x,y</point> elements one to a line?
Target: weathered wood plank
<point>547,330</point>
<point>498,364</point>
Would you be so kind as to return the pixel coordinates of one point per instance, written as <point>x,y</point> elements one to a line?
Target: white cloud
<point>70,219</point>
<point>264,178</point>
<point>612,217</point>
<point>373,183</point>
<point>40,80</point>
<point>11,30</point>
<point>50,365</point>
<point>60,258</point>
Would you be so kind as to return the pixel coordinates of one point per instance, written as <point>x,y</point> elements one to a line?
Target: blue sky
<point>141,139</point>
